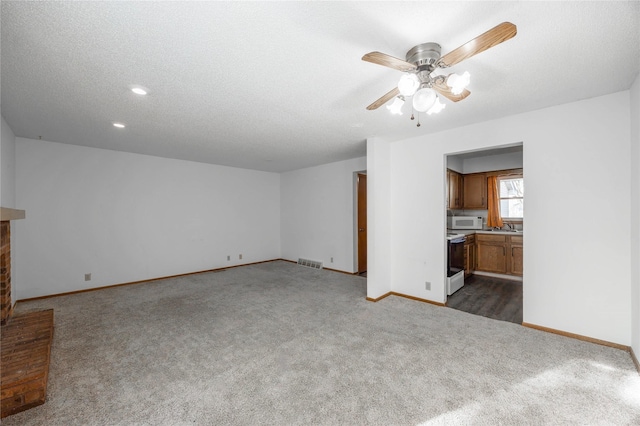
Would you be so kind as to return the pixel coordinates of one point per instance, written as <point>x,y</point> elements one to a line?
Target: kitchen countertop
<point>483,231</point>
<point>478,231</point>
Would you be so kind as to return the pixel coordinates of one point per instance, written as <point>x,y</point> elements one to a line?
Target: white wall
<point>8,195</point>
<point>317,206</point>
<point>635,215</point>
<point>455,163</point>
<point>7,167</point>
<point>125,217</point>
<point>489,163</point>
<point>576,271</point>
<point>379,218</point>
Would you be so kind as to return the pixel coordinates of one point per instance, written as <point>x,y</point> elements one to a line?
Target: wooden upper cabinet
<point>475,191</point>
<point>454,189</point>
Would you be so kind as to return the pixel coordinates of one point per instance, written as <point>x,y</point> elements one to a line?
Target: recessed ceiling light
<point>118,125</point>
<point>139,90</point>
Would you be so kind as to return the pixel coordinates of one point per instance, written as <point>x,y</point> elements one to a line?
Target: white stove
<point>454,236</point>
<point>455,261</point>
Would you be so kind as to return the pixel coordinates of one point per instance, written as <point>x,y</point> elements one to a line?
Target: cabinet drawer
<point>516,239</point>
<point>486,238</point>
<point>471,239</point>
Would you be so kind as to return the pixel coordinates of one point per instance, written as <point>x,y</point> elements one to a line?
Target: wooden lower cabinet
<point>491,253</point>
<point>500,254</point>
<point>469,255</point>
<point>516,254</point>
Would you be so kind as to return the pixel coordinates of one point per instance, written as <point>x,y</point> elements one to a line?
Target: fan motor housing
<point>424,55</point>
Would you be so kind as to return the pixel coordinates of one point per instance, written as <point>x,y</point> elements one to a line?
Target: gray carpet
<point>280,344</point>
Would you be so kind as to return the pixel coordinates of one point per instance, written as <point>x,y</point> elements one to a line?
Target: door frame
<point>446,206</point>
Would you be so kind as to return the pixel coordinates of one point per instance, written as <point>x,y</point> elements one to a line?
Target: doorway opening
<point>485,207</point>
<point>361,223</point>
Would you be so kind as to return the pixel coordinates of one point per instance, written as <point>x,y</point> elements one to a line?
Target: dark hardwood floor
<point>490,297</point>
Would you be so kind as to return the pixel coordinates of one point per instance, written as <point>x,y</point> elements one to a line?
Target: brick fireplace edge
<point>6,305</point>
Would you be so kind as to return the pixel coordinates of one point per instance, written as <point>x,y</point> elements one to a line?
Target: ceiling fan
<point>419,79</point>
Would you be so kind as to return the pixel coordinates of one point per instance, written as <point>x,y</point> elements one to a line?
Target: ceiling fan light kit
<point>424,99</point>
<point>408,84</point>
<point>396,107</point>
<point>419,80</point>
<point>458,83</point>
<point>436,107</point>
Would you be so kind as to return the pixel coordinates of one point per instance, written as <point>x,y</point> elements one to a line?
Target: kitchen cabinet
<point>515,243</point>
<point>475,191</point>
<point>499,253</point>
<point>491,253</point>
<point>455,190</point>
<point>469,255</point>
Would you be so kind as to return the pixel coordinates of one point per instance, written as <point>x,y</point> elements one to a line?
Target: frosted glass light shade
<point>408,84</point>
<point>437,106</point>
<point>396,107</point>
<point>424,99</point>
<point>458,82</point>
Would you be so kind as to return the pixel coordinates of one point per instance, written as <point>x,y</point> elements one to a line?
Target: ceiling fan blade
<point>388,61</point>
<point>384,99</point>
<point>441,87</point>
<point>493,37</point>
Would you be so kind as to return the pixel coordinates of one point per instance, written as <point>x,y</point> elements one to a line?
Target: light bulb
<point>458,83</point>
<point>437,107</point>
<point>424,99</point>
<point>396,106</point>
<point>408,84</point>
<point>138,90</point>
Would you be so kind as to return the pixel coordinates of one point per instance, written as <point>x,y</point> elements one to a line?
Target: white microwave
<point>464,222</point>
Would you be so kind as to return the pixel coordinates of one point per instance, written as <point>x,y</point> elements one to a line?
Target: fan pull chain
<point>412,117</point>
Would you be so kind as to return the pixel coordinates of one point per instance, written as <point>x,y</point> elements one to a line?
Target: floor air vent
<point>310,263</point>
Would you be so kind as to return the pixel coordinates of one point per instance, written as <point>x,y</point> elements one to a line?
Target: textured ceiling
<point>280,86</point>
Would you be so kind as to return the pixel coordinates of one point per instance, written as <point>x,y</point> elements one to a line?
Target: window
<point>511,197</point>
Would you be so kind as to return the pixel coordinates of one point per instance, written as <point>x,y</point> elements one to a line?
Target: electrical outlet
<point>87,277</point>
<point>228,257</point>
<point>427,285</point>
<point>332,260</point>
<point>240,256</point>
